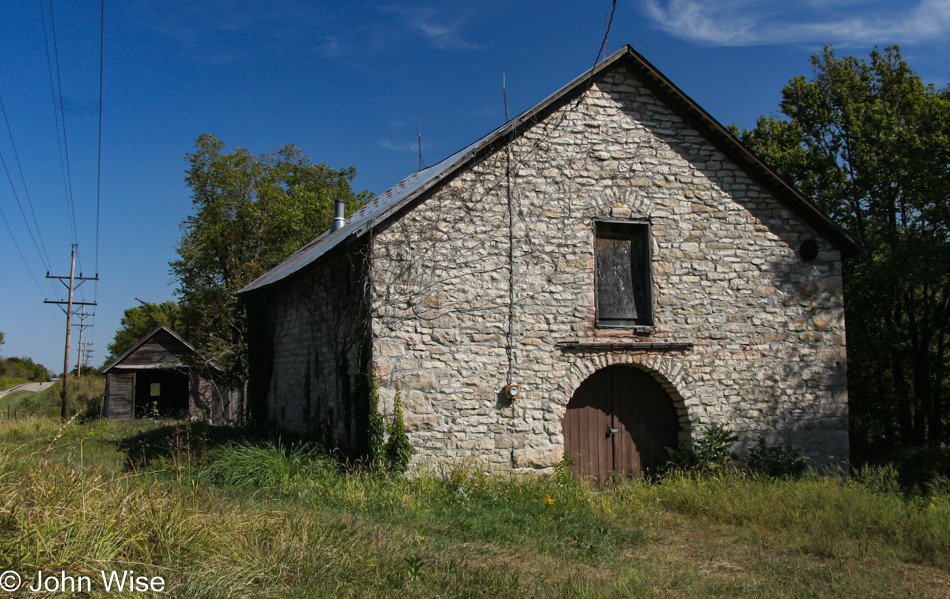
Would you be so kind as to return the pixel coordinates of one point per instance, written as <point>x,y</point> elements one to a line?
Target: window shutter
<point>623,274</point>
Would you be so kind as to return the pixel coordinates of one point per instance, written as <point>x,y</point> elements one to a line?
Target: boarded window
<point>623,274</point>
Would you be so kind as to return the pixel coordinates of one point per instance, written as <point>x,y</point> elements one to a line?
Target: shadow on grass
<point>918,467</point>
<point>191,441</point>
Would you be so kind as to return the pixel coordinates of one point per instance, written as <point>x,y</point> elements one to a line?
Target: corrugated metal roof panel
<point>354,222</point>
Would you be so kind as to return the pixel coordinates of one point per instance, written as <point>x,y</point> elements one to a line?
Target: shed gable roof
<point>420,183</point>
<point>118,363</point>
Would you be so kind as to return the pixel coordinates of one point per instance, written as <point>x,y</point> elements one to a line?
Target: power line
<point>62,114</point>
<point>15,195</point>
<point>71,286</point>
<point>19,251</point>
<point>102,29</point>
<point>52,91</point>
<point>43,255</point>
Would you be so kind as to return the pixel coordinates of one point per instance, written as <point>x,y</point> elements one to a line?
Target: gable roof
<point>145,340</point>
<point>421,183</point>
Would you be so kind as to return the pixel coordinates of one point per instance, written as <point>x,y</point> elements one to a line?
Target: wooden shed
<point>159,376</point>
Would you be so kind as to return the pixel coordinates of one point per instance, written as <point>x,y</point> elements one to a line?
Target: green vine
<point>307,391</point>
<point>376,427</point>
<point>398,448</point>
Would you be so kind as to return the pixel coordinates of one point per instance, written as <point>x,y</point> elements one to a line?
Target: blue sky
<point>345,81</point>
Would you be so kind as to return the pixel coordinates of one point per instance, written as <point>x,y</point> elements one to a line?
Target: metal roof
<point>357,221</point>
<point>417,184</point>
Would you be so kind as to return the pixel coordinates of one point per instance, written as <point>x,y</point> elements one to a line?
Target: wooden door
<point>619,421</point>
<point>120,396</point>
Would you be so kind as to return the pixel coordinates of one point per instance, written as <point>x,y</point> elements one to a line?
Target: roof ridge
<point>385,205</point>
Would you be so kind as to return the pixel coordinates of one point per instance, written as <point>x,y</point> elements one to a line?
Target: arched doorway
<point>619,420</point>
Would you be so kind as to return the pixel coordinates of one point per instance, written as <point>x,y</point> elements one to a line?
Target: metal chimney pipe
<point>338,219</point>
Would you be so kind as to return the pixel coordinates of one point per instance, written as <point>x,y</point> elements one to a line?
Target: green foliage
<point>414,565</point>
<point>917,467</point>
<point>869,143</point>
<point>85,395</point>
<point>398,448</point>
<point>562,471</point>
<point>142,320</point>
<point>775,462</point>
<point>376,428</point>
<point>272,466</point>
<point>251,212</point>
<point>14,371</point>
<point>90,408</point>
<point>711,453</point>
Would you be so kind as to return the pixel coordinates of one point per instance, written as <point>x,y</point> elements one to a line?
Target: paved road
<point>27,387</point>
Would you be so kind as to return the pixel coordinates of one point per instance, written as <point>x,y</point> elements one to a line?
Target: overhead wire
<point>43,255</point>
<point>52,91</point>
<point>59,117</point>
<point>22,255</point>
<point>62,114</point>
<point>102,29</point>
<point>20,205</point>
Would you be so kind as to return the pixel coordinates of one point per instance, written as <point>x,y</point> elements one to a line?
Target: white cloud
<point>409,146</point>
<point>225,31</point>
<point>330,48</point>
<point>437,32</point>
<point>760,22</point>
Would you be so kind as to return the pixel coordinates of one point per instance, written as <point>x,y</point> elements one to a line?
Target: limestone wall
<point>318,382</point>
<point>767,327</point>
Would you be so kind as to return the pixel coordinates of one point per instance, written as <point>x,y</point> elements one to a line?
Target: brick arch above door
<point>663,367</point>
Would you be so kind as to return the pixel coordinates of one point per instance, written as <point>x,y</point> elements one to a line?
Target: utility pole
<point>87,354</point>
<point>82,326</point>
<point>71,286</point>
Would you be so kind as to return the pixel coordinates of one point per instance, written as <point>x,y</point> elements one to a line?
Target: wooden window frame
<point>614,229</point>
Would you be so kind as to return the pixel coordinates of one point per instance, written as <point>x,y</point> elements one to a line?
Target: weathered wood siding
<point>162,348</point>
<point>120,396</point>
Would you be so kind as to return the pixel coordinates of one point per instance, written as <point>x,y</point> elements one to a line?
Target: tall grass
<point>223,517</point>
<point>85,395</point>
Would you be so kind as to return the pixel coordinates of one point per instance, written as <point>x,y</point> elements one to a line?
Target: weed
<point>376,432</point>
<point>398,448</point>
<point>562,471</point>
<point>776,462</point>
<point>712,452</point>
<point>414,565</point>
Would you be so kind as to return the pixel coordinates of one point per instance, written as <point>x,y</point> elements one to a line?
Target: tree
<point>251,212</point>
<point>140,321</point>
<point>870,144</point>
<point>18,370</point>
<point>1,338</point>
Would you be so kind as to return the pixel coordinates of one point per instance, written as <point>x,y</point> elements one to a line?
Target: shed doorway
<point>620,420</point>
<point>161,393</point>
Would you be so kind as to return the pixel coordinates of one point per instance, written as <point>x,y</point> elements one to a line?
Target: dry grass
<point>175,501</point>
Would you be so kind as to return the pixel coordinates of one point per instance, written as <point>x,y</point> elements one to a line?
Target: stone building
<point>614,252</point>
